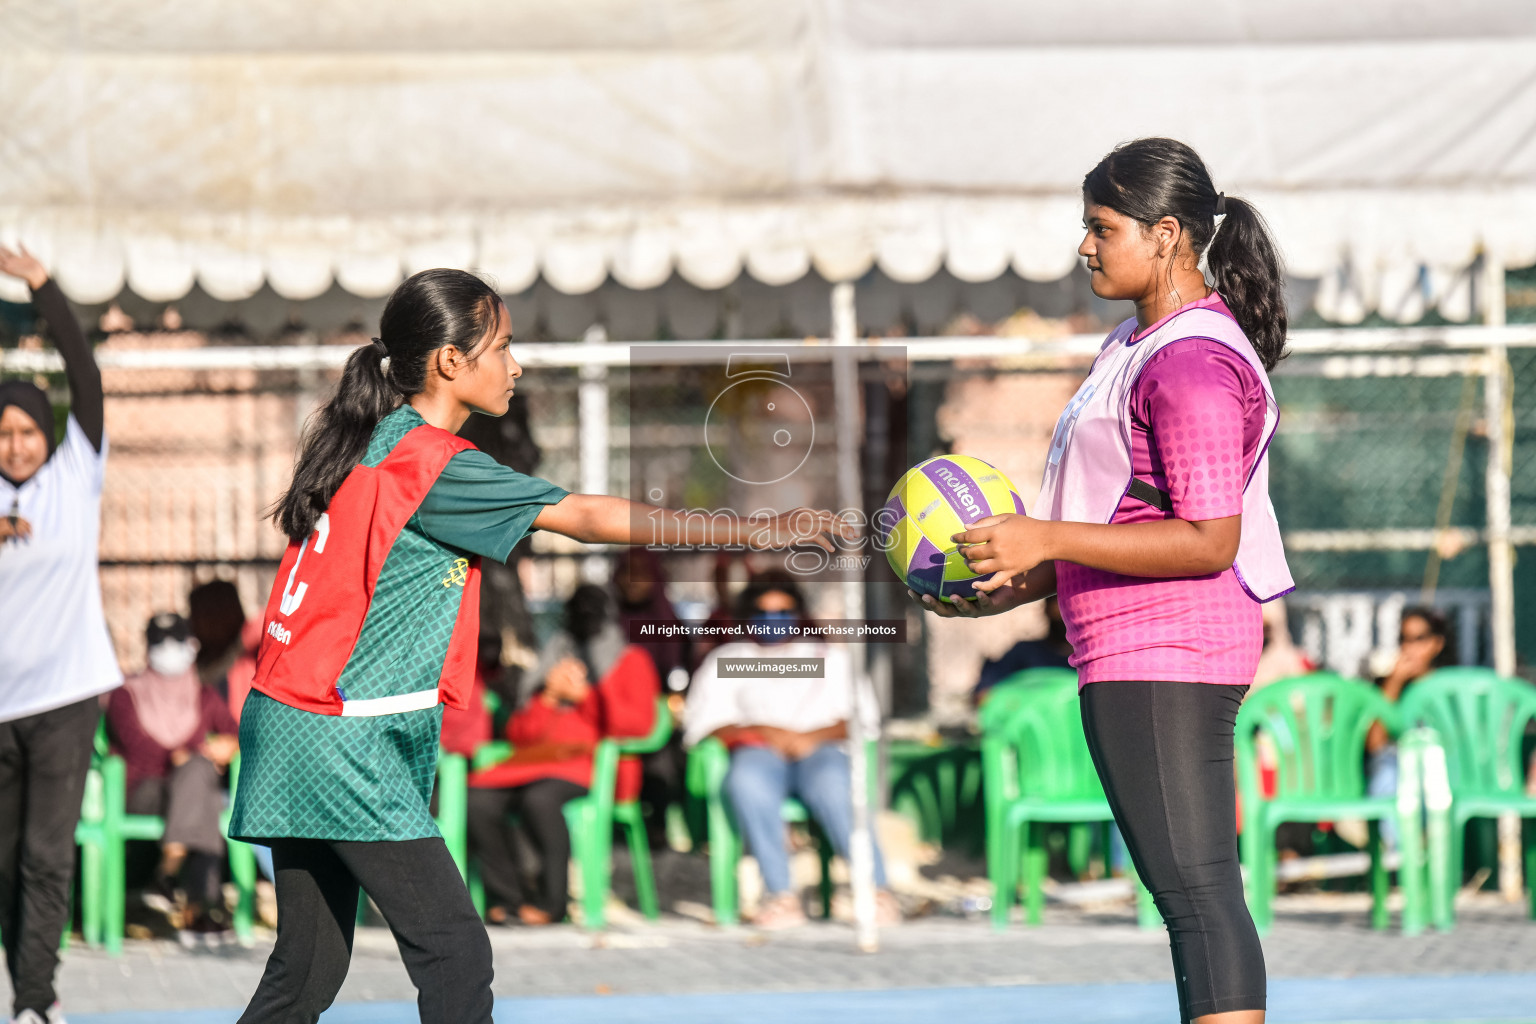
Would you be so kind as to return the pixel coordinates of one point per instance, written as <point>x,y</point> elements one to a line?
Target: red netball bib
<point>325,586</point>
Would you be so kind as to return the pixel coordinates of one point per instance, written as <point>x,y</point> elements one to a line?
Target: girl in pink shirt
<point>1155,530</point>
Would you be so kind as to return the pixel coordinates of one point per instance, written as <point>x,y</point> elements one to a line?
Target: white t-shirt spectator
<point>54,645</point>
<point>800,704</point>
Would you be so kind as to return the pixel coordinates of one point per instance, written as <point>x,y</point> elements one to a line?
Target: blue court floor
<point>1463,999</point>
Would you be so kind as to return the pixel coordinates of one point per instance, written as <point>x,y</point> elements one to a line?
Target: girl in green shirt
<point>342,799</point>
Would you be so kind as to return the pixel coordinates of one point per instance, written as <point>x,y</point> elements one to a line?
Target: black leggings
<point>541,807</point>
<point>417,888</point>
<point>1164,753</point>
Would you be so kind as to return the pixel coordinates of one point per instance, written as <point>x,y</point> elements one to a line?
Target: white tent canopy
<point>162,143</point>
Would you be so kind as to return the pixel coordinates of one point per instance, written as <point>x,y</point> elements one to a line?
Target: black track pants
<point>417,888</point>
<point>44,759</point>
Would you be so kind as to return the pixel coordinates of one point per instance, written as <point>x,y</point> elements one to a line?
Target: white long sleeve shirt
<point>801,704</point>
<point>54,645</point>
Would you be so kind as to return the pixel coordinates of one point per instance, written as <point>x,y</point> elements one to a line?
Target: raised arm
<point>85,396</point>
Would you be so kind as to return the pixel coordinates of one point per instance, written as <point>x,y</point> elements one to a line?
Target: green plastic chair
<point>938,788</point>
<point>1037,771</point>
<point>1079,836</point>
<point>91,837</point>
<point>708,763</point>
<point>1022,680</point>
<point>104,829</point>
<point>453,800</point>
<point>1481,718</point>
<point>1318,725</point>
<point>590,820</point>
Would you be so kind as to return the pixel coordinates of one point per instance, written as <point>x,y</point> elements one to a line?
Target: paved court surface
<point>1481,1000</point>
<point>1325,962</point>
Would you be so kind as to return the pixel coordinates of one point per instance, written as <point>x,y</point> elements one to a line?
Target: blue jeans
<point>759,780</point>
<point>1381,770</point>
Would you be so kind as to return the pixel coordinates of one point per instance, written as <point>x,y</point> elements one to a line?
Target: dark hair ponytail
<point>1150,179</point>
<point>427,311</point>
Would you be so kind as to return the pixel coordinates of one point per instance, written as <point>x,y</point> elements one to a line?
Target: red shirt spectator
<point>622,704</point>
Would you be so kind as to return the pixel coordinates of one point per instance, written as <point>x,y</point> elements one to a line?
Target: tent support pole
<point>1498,410</point>
<point>845,384</point>
<point>592,432</point>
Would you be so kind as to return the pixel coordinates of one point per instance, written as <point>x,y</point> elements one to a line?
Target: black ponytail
<point>1245,264</point>
<point>429,310</point>
<point>1150,179</point>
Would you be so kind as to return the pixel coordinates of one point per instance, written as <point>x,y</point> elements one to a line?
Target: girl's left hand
<point>1002,547</point>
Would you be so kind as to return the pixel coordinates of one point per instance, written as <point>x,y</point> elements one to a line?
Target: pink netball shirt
<point>1197,419</point>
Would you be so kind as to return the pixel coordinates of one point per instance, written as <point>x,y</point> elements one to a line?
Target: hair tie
<point>383,351</point>
<point>1221,205</point>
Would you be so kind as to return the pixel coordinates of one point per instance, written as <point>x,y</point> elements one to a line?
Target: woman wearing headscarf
<point>177,737</point>
<point>57,655</point>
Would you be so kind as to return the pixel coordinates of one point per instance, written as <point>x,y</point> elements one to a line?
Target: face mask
<point>773,627</point>
<point>172,657</point>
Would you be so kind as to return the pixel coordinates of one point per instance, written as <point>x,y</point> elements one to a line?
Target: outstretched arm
<point>602,519</point>
<point>85,397</point>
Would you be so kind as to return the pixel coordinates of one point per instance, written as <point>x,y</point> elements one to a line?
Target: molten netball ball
<point>934,500</point>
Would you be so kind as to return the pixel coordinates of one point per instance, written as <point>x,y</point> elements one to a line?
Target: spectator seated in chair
<point>591,684</point>
<point>177,738</point>
<point>1423,646</point>
<point>787,737</point>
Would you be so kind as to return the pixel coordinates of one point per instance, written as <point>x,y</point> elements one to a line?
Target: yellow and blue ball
<point>934,500</point>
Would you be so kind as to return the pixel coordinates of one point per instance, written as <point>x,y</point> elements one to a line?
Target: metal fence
<point>1403,460</point>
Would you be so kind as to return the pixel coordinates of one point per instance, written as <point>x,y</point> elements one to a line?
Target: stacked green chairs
<point>708,763</point>
<point>590,818</point>
<point>1481,718</point>
<point>938,787</point>
<point>1318,725</point>
<point>104,829</point>
<point>1037,772</point>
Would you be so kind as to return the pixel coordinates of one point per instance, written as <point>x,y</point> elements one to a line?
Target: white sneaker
<point>55,1016</point>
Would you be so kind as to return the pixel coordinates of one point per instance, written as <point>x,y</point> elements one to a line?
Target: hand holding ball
<point>932,502</point>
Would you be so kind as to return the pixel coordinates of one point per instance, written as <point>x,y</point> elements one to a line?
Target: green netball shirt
<point>312,776</point>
